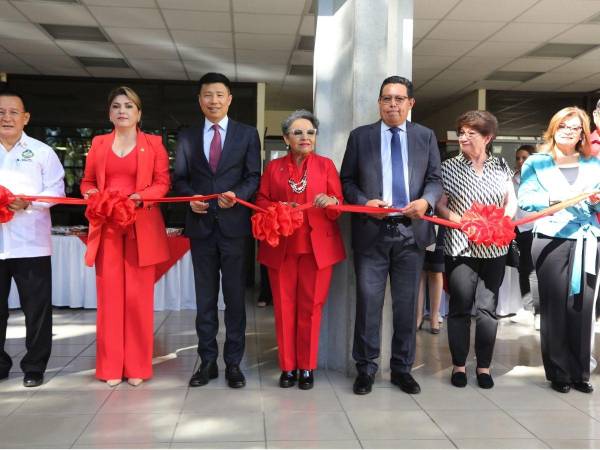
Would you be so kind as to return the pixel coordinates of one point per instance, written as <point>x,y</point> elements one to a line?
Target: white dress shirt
<point>29,168</point>
<point>386,161</point>
<point>209,133</point>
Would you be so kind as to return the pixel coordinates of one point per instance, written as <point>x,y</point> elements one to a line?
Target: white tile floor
<point>73,410</point>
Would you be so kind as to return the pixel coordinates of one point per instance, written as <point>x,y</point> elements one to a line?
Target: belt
<point>394,220</point>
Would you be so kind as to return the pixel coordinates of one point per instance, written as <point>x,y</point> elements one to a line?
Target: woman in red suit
<point>137,165</point>
<point>300,266</point>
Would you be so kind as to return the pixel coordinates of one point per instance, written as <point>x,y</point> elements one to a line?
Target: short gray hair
<point>299,114</point>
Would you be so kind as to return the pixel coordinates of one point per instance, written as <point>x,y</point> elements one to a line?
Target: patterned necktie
<point>399,197</point>
<point>215,149</point>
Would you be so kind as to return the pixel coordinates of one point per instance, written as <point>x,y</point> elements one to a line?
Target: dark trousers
<point>473,281</point>
<point>209,256</point>
<point>33,277</point>
<point>403,262</point>
<point>566,320</point>
<point>527,276</point>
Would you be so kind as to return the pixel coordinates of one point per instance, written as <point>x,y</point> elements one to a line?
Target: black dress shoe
<point>485,380</point>
<point>406,382</point>
<point>458,379</point>
<point>583,386</point>
<point>363,384</point>
<point>207,371</point>
<point>561,387</point>
<point>288,379</point>
<point>234,376</point>
<point>306,380</point>
<point>33,379</point>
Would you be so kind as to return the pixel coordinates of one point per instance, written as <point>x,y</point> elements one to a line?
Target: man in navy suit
<point>222,156</point>
<point>392,162</point>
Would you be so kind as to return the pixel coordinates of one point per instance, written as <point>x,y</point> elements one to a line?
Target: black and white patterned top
<point>463,187</point>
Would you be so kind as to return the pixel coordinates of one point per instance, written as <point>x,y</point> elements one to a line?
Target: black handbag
<point>513,255</point>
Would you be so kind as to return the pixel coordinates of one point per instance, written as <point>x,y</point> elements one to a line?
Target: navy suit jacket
<point>361,176</point>
<point>238,171</point>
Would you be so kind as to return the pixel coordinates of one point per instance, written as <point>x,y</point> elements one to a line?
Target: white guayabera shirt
<point>29,168</point>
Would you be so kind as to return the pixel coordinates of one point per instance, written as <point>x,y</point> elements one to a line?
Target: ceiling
<point>458,44</point>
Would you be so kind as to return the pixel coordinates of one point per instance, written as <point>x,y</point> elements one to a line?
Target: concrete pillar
<point>358,43</point>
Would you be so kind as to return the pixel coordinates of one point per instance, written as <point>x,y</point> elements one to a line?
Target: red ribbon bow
<point>111,208</point>
<point>279,219</point>
<point>6,198</point>
<point>487,225</point>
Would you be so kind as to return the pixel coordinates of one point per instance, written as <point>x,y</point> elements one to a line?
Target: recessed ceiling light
<point>507,75</point>
<point>306,43</point>
<point>74,32</point>
<point>562,50</point>
<point>301,69</point>
<point>89,61</point>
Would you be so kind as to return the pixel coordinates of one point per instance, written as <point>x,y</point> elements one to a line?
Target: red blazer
<point>152,181</point>
<point>326,241</point>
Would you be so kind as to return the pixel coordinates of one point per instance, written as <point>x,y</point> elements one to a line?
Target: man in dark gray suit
<point>392,162</point>
<point>222,156</point>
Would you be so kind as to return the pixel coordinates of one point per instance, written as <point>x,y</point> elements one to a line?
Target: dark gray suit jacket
<point>361,176</point>
<point>238,171</point>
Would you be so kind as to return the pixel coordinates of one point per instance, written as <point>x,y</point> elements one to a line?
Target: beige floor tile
<point>450,397</point>
<point>36,429</point>
<point>225,445</point>
<point>10,401</point>
<point>294,399</point>
<point>111,429</point>
<point>525,397</point>
<point>406,443</point>
<point>499,443</point>
<point>370,424</point>
<point>314,444</point>
<point>478,424</point>
<point>232,427</point>
<point>573,443</point>
<point>570,424</point>
<point>378,400</point>
<point>300,426</point>
<point>164,445</point>
<point>144,400</point>
<point>82,364</point>
<point>68,349</point>
<point>50,402</point>
<point>222,401</point>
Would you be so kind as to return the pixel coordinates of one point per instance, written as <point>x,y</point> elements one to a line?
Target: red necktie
<point>215,149</point>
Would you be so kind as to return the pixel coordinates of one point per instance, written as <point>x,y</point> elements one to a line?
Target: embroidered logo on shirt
<point>27,154</point>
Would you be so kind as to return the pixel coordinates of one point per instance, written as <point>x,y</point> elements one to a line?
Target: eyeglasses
<point>388,99</point>
<point>468,134</point>
<point>567,129</point>
<point>12,113</point>
<point>311,132</point>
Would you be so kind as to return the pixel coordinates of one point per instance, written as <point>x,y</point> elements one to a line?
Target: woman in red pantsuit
<point>300,266</point>
<point>137,165</point>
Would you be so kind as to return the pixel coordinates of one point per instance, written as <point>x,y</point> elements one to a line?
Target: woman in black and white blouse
<point>474,272</point>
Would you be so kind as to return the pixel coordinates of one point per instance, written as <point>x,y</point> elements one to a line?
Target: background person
<point>375,172</point>
<point>474,271</point>
<point>221,156</point>
<point>27,167</point>
<point>300,266</point>
<point>137,165</point>
<point>565,246</point>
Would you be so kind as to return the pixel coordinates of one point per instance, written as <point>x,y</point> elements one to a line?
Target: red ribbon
<point>483,224</point>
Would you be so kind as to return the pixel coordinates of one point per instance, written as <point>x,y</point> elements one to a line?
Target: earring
<point>287,146</point>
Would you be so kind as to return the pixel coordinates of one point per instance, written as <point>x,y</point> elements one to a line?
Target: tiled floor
<point>72,409</point>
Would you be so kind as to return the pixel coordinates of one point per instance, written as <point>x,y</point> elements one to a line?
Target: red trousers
<point>299,293</point>
<point>125,313</point>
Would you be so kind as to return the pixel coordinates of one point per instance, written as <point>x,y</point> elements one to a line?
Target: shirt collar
<point>22,142</point>
<point>385,127</point>
<point>222,123</point>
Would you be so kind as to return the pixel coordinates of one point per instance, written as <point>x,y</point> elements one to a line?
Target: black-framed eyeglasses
<point>388,99</point>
